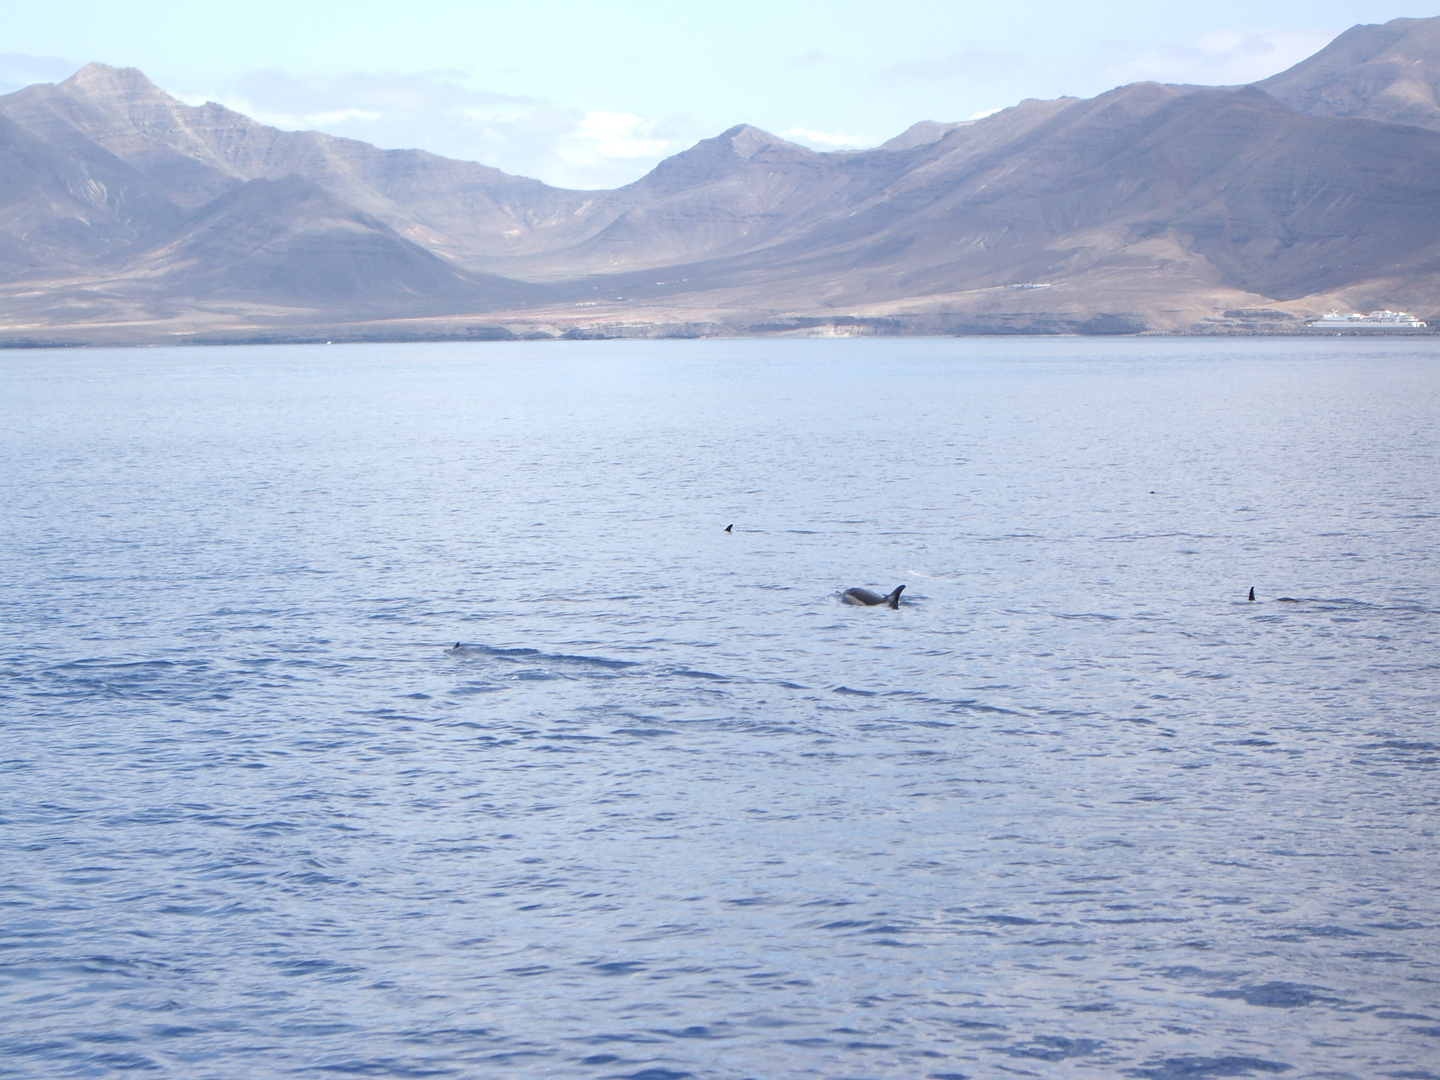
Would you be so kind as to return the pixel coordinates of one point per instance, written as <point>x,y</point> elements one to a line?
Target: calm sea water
<point>672,810</point>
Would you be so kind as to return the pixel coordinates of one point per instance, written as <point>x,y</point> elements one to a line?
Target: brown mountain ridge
<point>128,216</point>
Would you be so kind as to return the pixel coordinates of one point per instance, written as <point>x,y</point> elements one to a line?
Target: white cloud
<point>824,140</point>
<point>813,58</point>
<point>614,135</point>
<point>450,112</point>
<point>1222,58</point>
<point>325,119</point>
<point>969,66</point>
<point>19,70</point>
<point>437,111</point>
<point>1218,58</point>
<point>604,148</point>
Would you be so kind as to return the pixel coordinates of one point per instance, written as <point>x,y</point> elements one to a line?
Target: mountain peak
<point>747,141</point>
<point>1388,72</point>
<point>103,79</point>
<point>719,157</point>
<point>922,133</point>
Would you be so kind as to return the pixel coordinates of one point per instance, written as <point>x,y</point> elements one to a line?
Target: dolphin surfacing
<point>866,598</point>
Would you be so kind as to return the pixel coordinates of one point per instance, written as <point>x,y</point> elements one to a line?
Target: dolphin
<point>866,598</point>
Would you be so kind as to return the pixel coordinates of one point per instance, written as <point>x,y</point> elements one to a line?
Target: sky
<point>593,95</point>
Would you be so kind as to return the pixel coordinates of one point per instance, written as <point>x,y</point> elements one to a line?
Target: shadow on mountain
<point>67,203</point>
<point>289,242</point>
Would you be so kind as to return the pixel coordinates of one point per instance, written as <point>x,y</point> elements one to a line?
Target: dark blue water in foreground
<point>671,810</point>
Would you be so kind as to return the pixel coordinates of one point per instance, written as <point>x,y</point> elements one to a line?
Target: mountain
<point>1234,183</point>
<point>747,191</point>
<point>1177,194</point>
<point>128,215</point>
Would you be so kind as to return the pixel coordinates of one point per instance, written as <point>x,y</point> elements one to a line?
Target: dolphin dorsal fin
<point>894,598</point>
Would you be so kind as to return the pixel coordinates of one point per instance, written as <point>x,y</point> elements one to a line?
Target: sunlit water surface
<point>671,809</point>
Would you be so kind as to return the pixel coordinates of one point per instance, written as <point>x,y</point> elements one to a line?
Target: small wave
<point>1344,603</point>
<point>953,704</point>
<point>537,656</point>
<point>952,579</point>
<point>1278,995</point>
<point>690,673</point>
<point>1401,744</point>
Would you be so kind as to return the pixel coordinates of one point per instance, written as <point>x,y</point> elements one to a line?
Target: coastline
<point>456,329</point>
<point>71,313</point>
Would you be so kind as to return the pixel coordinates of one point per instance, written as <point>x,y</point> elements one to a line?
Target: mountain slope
<point>1215,187</point>
<point>1148,206</point>
<point>290,242</point>
<point>746,190</point>
<point>1277,203</point>
<point>67,202</point>
<point>1389,73</point>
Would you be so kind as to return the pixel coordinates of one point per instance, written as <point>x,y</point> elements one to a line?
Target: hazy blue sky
<point>588,94</point>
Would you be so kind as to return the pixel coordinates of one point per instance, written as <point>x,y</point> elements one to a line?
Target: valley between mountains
<point>128,217</point>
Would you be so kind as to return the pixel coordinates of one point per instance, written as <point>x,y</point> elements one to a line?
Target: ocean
<point>407,711</point>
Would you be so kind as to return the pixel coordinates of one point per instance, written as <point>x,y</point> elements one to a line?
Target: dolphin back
<point>872,599</point>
